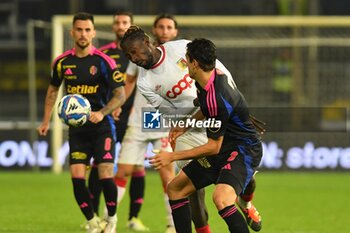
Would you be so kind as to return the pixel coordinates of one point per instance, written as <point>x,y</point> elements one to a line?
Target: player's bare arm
<point>115,102</point>
<point>50,99</point>
<point>176,132</point>
<point>211,148</point>
<point>130,83</point>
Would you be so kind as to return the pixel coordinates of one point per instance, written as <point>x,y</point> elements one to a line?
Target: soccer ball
<point>74,110</point>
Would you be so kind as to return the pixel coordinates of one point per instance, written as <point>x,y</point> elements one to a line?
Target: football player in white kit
<point>165,83</point>
<point>176,93</point>
<point>135,143</point>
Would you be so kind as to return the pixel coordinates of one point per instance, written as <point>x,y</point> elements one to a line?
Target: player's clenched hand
<point>43,128</point>
<point>174,133</point>
<point>96,117</point>
<point>116,113</point>
<point>161,159</point>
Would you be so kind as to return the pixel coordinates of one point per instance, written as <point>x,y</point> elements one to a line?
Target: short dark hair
<point>133,33</point>
<point>164,16</point>
<point>204,52</point>
<point>128,13</point>
<point>83,16</point>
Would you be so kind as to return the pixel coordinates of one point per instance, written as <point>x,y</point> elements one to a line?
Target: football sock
<point>243,204</point>
<point>247,195</point>
<point>234,219</point>
<point>248,192</point>
<point>137,190</point>
<point>121,186</point>
<point>110,194</point>
<point>81,195</point>
<point>95,188</point>
<point>205,229</point>
<point>181,214</point>
<point>198,208</point>
<point>168,210</point>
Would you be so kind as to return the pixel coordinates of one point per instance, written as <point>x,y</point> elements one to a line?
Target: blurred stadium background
<point>289,58</point>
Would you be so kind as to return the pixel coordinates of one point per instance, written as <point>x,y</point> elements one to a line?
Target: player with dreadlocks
<point>177,91</point>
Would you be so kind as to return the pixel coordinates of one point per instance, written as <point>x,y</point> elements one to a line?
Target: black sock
<point>180,209</point>
<point>81,195</point>
<point>110,193</point>
<point>234,219</point>
<point>95,188</point>
<point>248,192</point>
<point>137,191</point>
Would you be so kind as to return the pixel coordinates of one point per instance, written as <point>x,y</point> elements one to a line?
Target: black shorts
<point>98,144</point>
<point>236,171</point>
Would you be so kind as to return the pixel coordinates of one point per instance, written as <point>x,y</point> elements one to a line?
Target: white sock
<point>243,204</point>
<point>121,193</point>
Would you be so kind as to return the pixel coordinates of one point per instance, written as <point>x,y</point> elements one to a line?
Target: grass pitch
<point>288,202</point>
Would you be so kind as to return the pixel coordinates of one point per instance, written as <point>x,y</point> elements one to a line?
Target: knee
<point>123,172</point>
<point>177,191</point>
<point>105,170</point>
<point>171,190</point>
<point>223,198</point>
<point>218,200</point>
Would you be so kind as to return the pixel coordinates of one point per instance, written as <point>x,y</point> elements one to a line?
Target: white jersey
<point>167,83</point>
<point>139,100</point>
<point>135,116</point>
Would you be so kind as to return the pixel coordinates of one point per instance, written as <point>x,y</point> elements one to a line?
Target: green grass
<point>288,203</point>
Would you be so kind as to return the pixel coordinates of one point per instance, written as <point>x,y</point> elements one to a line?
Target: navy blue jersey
<point>113,51</point>
<point>221,100</point>
<point>94,76</point>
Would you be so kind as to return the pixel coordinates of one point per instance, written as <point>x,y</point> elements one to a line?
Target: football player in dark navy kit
<point>121,22</point>
<point>87,71</point>
<point>233,151</point>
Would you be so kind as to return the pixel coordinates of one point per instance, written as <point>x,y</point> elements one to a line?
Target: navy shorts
<point>98,144</point>
<point>236,170</point>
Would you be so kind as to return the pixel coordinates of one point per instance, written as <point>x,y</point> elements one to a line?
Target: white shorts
<point>135,144</point>
<point>189,140</point>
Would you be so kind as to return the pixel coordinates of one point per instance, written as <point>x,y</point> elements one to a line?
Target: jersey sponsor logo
<point>216,128</point>
<point>115,56</point>
<point>93,70</point>
<point>69,66</point>
<point>118,76</point>
<point>226,167</point>
<point>107,156</point>
<point>177,89</point>
<point>157,88</point>
<point>182,63</point>
<point>79,155</point>
<point>82,89</point>
<point>204,162</point>
<point>68,73</point>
